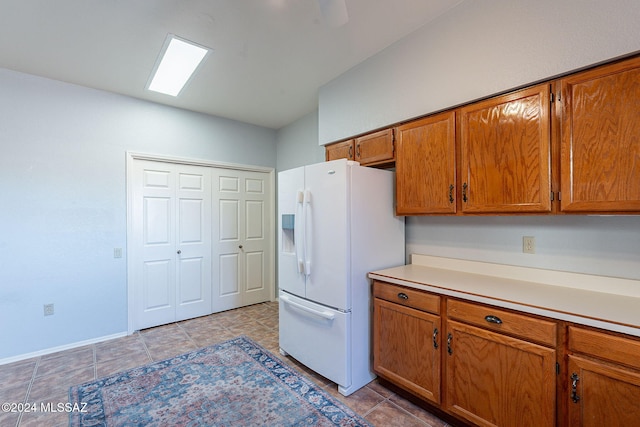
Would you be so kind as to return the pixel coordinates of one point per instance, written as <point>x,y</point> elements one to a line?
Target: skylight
<point>179,60</point>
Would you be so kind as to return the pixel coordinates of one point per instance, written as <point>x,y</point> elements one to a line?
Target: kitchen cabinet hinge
<point>559,195</point>
<point>552,197</point>
<point>551,97</point>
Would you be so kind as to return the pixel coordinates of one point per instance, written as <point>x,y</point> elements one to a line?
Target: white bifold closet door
<point>171,223</point>
<point>242,239</point>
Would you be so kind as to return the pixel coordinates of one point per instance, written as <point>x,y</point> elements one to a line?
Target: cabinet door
<point>505,153</point>
<point>602,395</point>
<point>375,148</point>
<point>426,166</point>
<point>495,380</point>
<point>600,147</point>
<point>407,348</point>
<point>339,150</point>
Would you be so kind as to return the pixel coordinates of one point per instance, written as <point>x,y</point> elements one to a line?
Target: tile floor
<point>47,379</point>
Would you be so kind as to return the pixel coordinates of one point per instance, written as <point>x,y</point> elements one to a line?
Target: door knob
<point>179,251</point>
<point>240,246</point>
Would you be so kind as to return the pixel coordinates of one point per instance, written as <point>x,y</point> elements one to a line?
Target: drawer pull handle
<point>574,387</point>
<point>435,338</point>
<point>403,296</point>
<point>449,339</point>
<point>493,319</point>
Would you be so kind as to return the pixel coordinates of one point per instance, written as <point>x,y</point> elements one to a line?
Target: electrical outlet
<point>117,252</point>
<point>48,309</point>
<point>528,244</point>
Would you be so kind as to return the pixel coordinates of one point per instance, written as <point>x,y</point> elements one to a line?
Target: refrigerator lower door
<point>316,336</point>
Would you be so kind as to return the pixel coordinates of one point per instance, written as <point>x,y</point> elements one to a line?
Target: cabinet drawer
<point>407,296</point>
<point>605,346</point>
<point>495,319</point>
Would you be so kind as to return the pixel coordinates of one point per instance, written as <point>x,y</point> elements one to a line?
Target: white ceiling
<point>269,56</point>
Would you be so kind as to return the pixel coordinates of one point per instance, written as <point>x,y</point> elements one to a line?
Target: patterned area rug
<point>234,383</point>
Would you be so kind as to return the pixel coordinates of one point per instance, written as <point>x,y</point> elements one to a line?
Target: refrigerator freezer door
<point>327,233</point>
<point>290,243</point>
<point>317,336</point>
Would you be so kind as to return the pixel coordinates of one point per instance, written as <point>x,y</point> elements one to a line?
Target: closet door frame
<point>131,157</point>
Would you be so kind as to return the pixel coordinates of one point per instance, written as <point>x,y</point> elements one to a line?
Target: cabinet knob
<point>403,296</point>
<point>179,251</point>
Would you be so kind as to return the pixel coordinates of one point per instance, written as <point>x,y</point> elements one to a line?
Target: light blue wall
<point>477,49</point>
<point>62,183</point>
<point>298,143</point>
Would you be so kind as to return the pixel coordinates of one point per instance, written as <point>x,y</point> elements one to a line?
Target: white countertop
<point>573,297</point>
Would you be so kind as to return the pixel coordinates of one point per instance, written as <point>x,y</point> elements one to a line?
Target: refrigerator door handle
<point>308,232</point>
<point>298,230</point>
<point>322,314</point>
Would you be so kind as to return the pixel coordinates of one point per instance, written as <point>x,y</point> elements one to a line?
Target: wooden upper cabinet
<point>600,139</point>
<point>426,166</point>
<point>375,148</point>
<point>505,149</point>
<point>340,150</point>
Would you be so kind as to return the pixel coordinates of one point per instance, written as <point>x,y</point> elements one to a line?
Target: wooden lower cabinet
<point>603,379</point>
<point>409,356</point>
<point>602,395</point>
<point>407,345</point>
<point>496,380</point>
<point>488,366</point>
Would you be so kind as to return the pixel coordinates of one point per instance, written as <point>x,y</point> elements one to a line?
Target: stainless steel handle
<point>574,387</point>
<point>493,319</point>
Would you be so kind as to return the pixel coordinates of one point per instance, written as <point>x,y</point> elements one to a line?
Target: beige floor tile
<point>17,374</point>
<point>207,337</point>
<point>49,418</point>
<point>361,401</point>
<point>119,348</point>
<point>57,372</point>
<point>165,350</point>
<point>65,362</point>
<point>418,412</point>
<point>387,414</point>
<point>8,418</point>
<point>113,366</point>
<point>57,384</point>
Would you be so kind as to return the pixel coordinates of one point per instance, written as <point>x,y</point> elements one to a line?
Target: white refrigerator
<point>336,223</point>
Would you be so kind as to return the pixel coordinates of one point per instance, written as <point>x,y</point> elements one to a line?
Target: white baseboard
<point>60,348</point>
